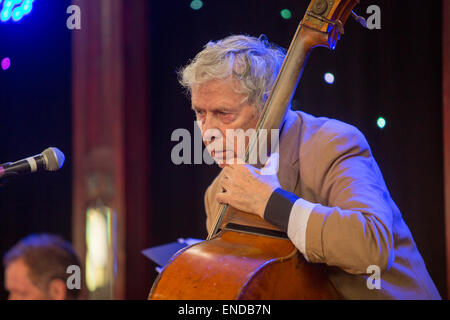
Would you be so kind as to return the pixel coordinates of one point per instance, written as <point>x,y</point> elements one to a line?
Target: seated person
<point>36,269</point>
<point>328,195</point>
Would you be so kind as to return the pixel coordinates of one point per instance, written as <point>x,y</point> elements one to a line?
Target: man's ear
<point>57,289</point>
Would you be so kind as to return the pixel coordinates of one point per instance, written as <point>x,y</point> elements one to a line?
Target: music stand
<point>163,253</point>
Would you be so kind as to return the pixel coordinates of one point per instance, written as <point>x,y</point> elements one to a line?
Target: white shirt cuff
<point>298,221</point>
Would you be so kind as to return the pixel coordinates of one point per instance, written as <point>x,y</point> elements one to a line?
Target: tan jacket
<point>356,223</point>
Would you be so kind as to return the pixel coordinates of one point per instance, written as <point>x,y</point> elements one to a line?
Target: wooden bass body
<point>237,265</point>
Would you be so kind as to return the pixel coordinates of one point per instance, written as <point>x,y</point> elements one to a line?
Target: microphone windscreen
<point>55,158</point>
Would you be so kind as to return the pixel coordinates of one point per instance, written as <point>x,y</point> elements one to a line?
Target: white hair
<point>254,62</point>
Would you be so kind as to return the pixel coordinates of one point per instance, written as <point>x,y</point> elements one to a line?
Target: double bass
<point>245,257</point>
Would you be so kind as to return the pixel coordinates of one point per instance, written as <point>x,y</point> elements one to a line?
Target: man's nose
<point>209,126</point>
<point>211,131</point>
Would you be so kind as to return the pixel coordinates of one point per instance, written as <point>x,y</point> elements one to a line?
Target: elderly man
<point>36,269</point>
<point>329,194</point>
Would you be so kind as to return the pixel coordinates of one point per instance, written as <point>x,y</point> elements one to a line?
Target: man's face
<point>219,107</point>
<point>19,284</point>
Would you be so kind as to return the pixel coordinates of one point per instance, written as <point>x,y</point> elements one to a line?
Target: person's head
<point>36,269</point>
<point>229,82</point>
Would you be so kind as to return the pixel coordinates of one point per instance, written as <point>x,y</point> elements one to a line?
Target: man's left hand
<point>247,188</point>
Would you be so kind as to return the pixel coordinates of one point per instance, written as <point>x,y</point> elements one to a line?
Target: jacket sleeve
<point>352,226</point>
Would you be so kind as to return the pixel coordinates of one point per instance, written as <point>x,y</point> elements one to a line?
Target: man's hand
<point>247,188</point>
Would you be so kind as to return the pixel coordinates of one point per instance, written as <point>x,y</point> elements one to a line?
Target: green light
<point>286,14</point>
<point>196,4</point>
<point>381,122</point>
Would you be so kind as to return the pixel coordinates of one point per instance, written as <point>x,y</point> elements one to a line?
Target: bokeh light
<point>329,78</point>
<point>381,122</point>
<point>196,4</point>
<point>286,14</point>
<point>6,63</point>
<point>15,9</point>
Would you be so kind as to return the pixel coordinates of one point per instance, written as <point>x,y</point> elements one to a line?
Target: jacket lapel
<point>288,173</point>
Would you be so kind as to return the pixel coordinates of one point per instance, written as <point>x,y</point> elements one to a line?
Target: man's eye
<point>226,117</point>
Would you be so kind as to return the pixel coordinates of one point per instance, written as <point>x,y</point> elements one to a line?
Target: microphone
<point>50,159</point>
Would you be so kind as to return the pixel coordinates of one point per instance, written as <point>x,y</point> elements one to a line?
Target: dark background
<point>35,108</point>
<point>394,72</point>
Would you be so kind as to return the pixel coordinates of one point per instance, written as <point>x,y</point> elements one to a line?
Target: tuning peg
<point>360,19</point>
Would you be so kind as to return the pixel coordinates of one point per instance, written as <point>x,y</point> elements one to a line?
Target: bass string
<point>250,148</point>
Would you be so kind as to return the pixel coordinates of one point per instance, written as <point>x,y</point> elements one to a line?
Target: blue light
<point>27,6</point>
<point>17,15</point>
<point>329,78</point>
<point>15,9</point>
